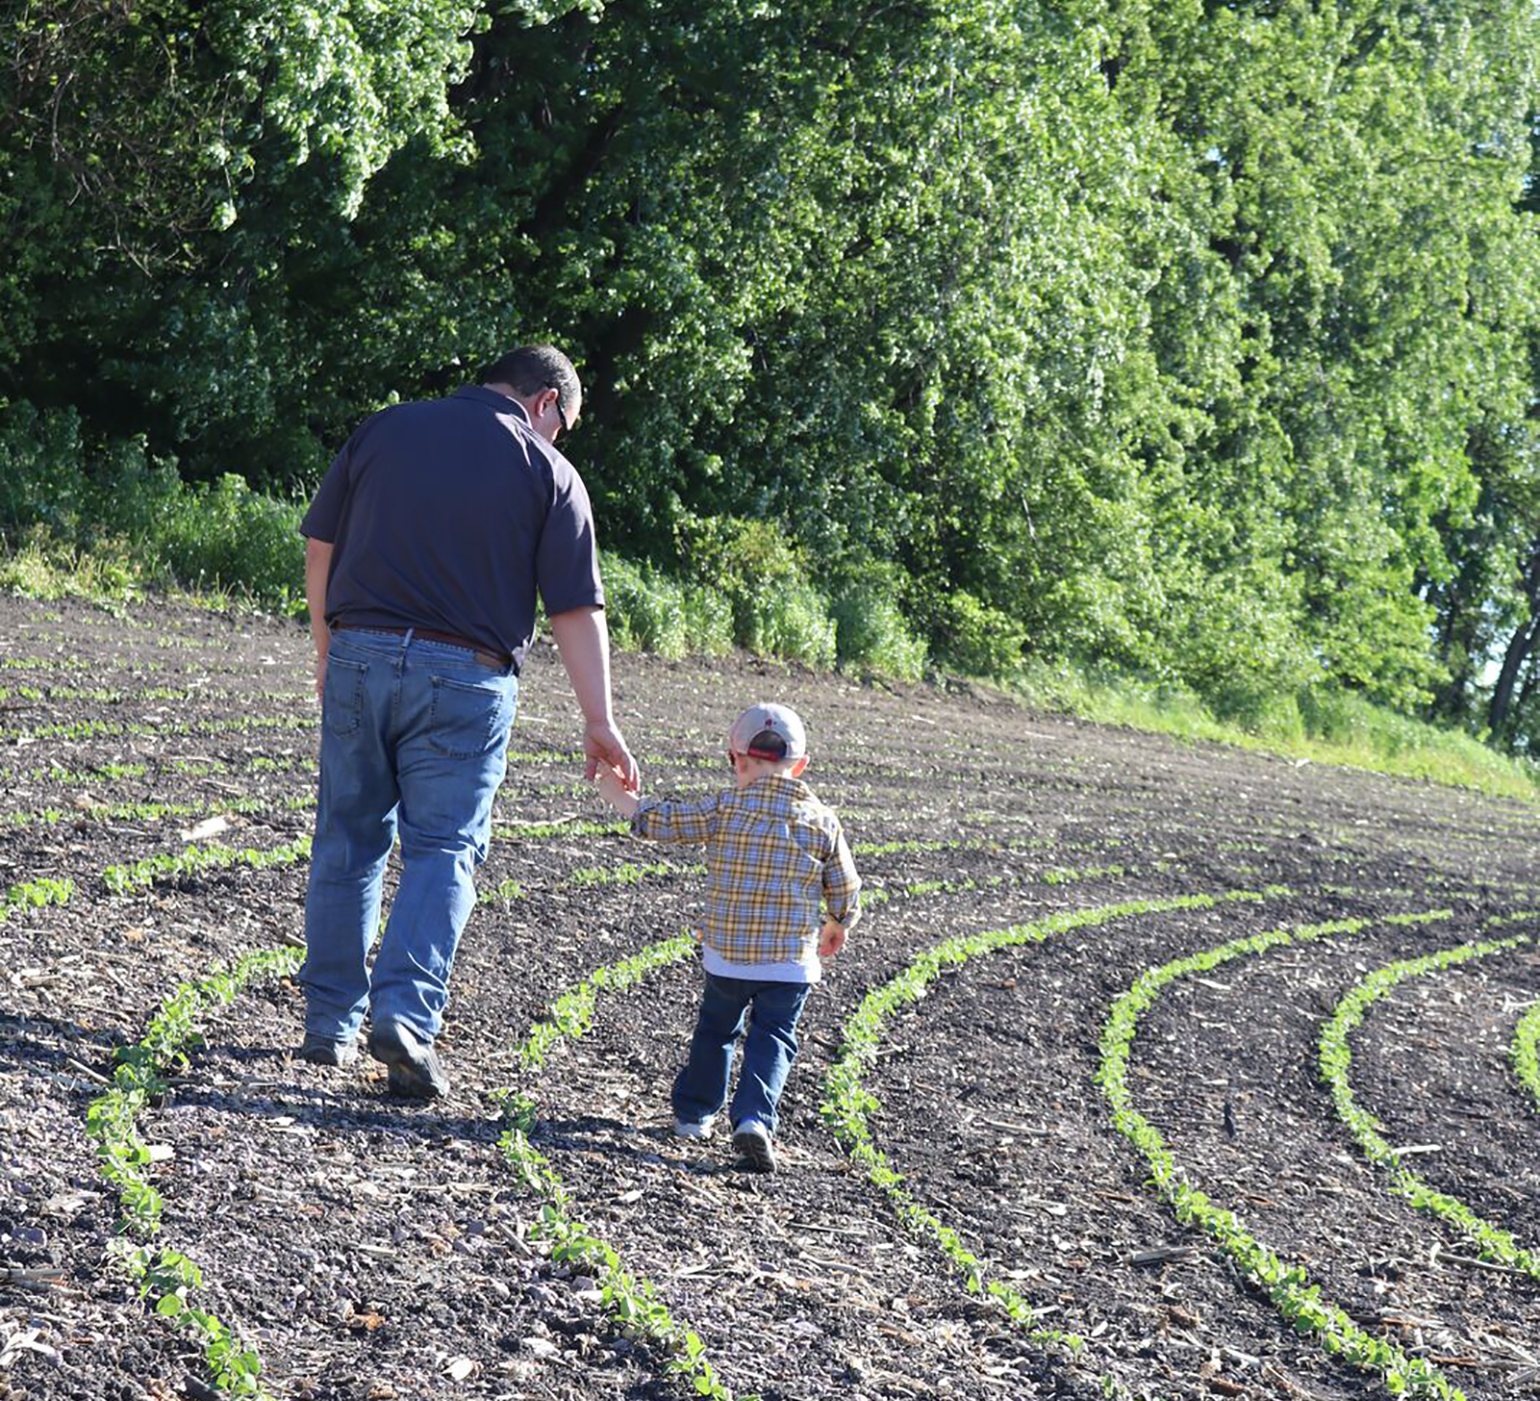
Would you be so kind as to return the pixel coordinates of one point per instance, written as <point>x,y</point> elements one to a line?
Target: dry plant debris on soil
<point>1059,1126</point>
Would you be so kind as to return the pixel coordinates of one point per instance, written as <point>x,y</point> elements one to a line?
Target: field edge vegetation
<point>247,556</point>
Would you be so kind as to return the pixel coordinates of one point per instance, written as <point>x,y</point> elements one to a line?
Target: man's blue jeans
<point>772,1010</point>
<point>414,739</point>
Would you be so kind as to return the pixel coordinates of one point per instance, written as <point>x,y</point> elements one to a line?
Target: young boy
<point>782,891</point>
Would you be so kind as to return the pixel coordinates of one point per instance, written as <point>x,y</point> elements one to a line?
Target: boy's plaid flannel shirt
<point>776,858</point>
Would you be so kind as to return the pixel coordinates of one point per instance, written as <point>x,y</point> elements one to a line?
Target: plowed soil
<point>371,1249</point>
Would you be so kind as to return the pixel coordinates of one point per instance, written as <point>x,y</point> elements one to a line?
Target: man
<point>426,542</point>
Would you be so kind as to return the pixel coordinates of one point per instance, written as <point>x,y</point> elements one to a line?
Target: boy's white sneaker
<point>693,1128</point>
<point>752,1140</point>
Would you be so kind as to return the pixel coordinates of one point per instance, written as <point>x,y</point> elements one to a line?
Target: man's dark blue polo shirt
<point>447,515</point>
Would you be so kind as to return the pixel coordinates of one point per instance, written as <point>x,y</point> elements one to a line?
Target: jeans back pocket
<point>471,718</point>
<point>342,695</point>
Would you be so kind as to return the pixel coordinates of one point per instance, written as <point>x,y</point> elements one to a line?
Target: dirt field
<point>368,1249</point>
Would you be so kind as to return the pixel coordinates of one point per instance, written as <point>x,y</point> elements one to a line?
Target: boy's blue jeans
<point>414,739</point>
<point>772,1010</point>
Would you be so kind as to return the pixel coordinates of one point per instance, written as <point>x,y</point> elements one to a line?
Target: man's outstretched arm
<point>318,565</point>
<point>583,639</point>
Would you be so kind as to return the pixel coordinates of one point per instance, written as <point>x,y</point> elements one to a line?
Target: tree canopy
<point>1196,337</point>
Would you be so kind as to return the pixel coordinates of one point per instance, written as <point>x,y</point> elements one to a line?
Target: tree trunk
<point>1519,648</point>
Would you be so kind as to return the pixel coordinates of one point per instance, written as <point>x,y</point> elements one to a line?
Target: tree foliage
<point>1196,337</point>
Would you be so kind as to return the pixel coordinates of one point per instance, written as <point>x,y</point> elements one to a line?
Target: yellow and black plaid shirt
<point>776,859</point>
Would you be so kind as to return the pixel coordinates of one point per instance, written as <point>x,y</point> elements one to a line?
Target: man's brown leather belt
<point>494,660</point>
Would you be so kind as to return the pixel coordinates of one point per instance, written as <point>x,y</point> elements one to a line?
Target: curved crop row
<point>1287,1285</point>
<point>119,729</point>
<point>149,812</point>
<point>111,695</point>
<point>1491,1241</point>
<point>847,1102</point>
<point>633,1302</point>
<point>165,1277</point>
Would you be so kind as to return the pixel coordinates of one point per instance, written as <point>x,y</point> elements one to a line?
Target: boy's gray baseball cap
<point>768,731</point>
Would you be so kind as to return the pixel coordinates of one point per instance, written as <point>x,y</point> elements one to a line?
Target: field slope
<point>1062,1125</point>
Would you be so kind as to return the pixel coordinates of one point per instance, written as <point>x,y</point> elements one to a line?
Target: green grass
<point>112,578</point>
<point>1322,727</point>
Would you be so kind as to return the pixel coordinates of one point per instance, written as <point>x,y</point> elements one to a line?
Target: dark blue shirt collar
<point>493,400</point>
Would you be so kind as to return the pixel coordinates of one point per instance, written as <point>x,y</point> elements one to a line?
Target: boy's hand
<point>613,789</point>
<point>831,940</point>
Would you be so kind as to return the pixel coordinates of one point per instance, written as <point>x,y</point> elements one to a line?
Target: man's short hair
<point>531,368</point>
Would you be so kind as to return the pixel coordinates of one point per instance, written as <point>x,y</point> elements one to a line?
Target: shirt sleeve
<point>325,513</point>
<point>841,884</point>
<point>660,821</point>
<point>567,558</point>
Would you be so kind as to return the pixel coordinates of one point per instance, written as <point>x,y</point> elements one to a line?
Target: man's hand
<point>320,673</point>
<point>584,644</point>
<point>831,939</point>
<point>605,748</point>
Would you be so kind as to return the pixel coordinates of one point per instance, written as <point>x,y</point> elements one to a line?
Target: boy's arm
<point>675,821</point>
<point>841,884</point>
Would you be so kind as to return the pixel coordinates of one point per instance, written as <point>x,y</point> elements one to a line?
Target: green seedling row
<point>46,664</point>
<point>631,1301</point>
<point>878,895</point>
<point>34,894</point>
<point>55,773</point>
<point>893,848</point>
<point>1492,1243</point>
<point>138,812</point>
<point>195,859</point>
<point>167,1279</point>
<point>1526,1050</point>
<point>544,831</point>
<point>119,729</point>
<point>628,873</point>
<point>848,1104</point>
<point>1287,1285</point>
<point>546,756</point>
<point>106,695</point>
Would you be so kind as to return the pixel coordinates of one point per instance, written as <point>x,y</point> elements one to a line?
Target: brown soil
<point>374,1250</point>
